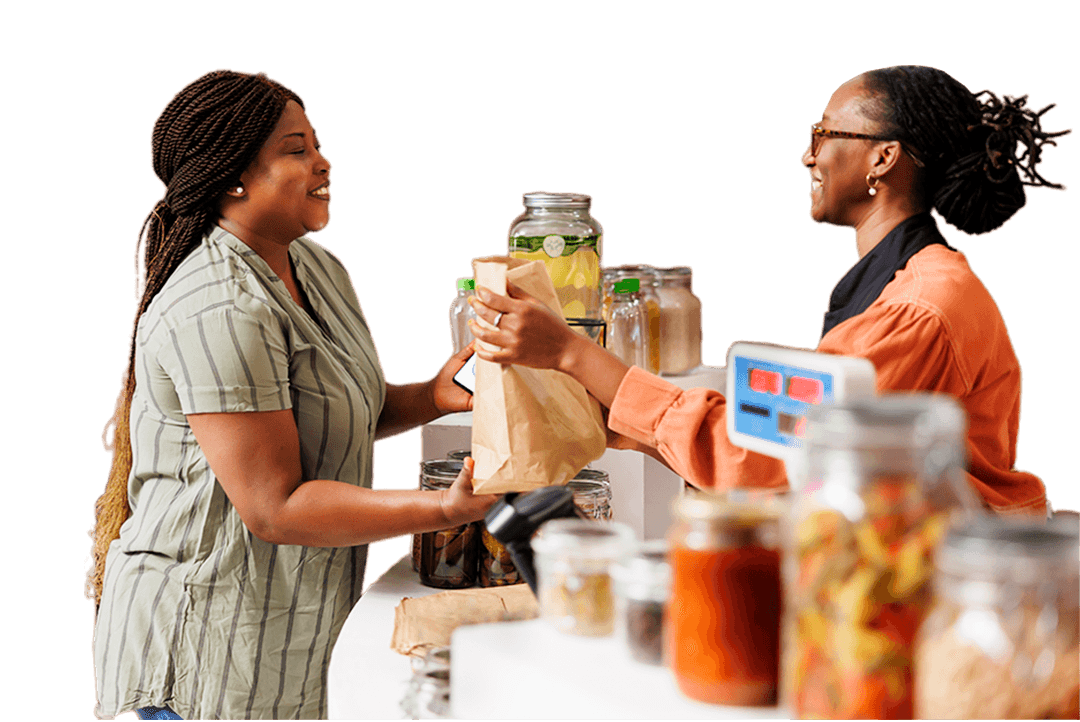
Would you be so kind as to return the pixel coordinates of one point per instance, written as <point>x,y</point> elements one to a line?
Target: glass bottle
<point>556,228</point>
<point>628,330</point>
<point>1002,639</point>
<point>460,313</point>
<point>724,615</point>
<point>447,558</point>
<point>649,280</point>
<point>680,321</point>
<point>876,486</point>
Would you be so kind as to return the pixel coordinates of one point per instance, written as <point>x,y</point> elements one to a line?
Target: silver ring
<point>498,317</point>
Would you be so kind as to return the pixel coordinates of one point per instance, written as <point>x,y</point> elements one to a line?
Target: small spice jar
<point>723,620</point>
<point>447,557</point>
<point>1001,641</point>
<point>557,229</point>
<point>573,560</point>
<point>642,588</point>
<point>680,321</point>
<point>427,695</point>
<point>592,493</point>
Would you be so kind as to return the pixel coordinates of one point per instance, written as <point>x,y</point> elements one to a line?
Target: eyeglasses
<point>817,134</point>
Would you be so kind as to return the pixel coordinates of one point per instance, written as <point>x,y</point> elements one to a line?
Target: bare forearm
<point>323,513</point>
<point>598,370</point>
<point>406,407</point>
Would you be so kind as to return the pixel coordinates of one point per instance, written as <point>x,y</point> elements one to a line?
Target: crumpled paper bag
<point>426,622</point>
<point>531,427</point>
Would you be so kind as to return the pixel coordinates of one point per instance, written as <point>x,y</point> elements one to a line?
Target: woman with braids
<point>892,144</point>
<point>231,538</point>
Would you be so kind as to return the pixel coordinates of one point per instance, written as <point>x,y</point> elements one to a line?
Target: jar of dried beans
<point>877,484</point>
<point>642,589</point>
<point>723,620</point>
<point>447,558</point>
<point>1001,641</point>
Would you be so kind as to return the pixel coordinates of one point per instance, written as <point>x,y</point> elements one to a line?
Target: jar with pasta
<point>878,484</point>
<point>1001,641</point>
<point>557,229</point>
<point>680,321</point>
<point>574,558</point>
<point>446,558</point>
<point>723,619</point>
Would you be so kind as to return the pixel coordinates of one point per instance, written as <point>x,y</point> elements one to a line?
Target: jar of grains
<point>557,229</point>
<point>642,588</point>
<point>680,321</point>
<point>447,558</point>
<point>876,485</point>
<point>592,493</point>
<point>1001,641</point>
<point>723,619</point>
<point>574,558</point>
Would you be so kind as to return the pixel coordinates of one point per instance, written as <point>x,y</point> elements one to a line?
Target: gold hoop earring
<point>873,186</point>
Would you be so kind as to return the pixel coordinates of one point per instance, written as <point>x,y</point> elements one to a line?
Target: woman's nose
<point>807,158</point>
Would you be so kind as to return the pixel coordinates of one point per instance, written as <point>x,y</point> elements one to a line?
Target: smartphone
<point>466,377</point>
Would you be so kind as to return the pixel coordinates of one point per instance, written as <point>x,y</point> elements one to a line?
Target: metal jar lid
<point>891,421</point>
<point>992,547</point>
<point>541,199</point>
<point>440,473</point>
<point>730,524</point>
<point>579,538</point>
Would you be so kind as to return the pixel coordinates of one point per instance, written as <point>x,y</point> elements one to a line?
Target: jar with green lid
<point>447,558</point>
<point>460,313</point>
<point>649,280</point>
<point>1001,641</point>
<point>592,493</point>
<point>878,483</point>
<point>680,321</point>
<point>557,229</point>
<point>628,328</point>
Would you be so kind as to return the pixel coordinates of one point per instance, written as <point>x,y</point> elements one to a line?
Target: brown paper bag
<point>426,622</point>
<point>531,427</point>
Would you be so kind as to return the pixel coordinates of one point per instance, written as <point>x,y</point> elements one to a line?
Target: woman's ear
<point>887,155</point>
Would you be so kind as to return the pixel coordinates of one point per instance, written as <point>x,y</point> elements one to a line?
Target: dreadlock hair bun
<point>969,143</point>
<point>204,139</point>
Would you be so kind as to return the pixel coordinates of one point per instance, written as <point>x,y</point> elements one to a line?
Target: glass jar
<point>459,455</point>
<point>1001,641</point>
<point>628,329</point>
<point>875,493</point>
<point>592,493</point>
<point>427,695</point>
<point>573,572</point>
<point>646,275</point>
<point>642,588</point>
<point>556,228</point>
<point>723,619</point>
<point>460,313</point>
<point>680,321</point>
<point>447,558</point>
<point>495,566</point>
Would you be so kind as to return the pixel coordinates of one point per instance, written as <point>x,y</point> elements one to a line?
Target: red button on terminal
<point>765,382</point>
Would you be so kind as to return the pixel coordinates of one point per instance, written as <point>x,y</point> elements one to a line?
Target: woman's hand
<point>447,396</point>
<point>528,333</point>
<point>460,504</point>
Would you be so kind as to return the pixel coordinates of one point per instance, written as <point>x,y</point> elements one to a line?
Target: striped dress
<point>197,613</point>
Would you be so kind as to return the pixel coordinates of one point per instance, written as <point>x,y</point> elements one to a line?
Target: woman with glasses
<point>892,144</point>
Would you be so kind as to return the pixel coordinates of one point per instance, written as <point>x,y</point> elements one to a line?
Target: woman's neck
<point>879,221</point>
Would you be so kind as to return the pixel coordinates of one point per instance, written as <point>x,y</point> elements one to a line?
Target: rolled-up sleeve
<point>689,429</point>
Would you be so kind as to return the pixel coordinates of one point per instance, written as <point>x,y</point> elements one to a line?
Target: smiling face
<point>838,188</point>
<point>286,189</point>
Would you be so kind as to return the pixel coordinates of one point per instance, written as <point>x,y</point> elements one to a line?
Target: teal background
<point>685,122</point>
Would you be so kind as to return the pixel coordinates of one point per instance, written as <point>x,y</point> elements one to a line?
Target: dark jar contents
<point>447,558</point>
<point>643,587</point>
<point>495,567</point>
<point>723,619</point>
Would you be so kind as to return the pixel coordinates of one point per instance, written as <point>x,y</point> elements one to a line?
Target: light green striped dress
<point>196,612</point>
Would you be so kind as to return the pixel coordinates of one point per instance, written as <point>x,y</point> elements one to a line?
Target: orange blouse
<point>934,327</point>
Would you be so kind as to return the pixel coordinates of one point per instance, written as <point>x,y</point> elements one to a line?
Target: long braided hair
<point>205,138</point>
<point>969,143</point>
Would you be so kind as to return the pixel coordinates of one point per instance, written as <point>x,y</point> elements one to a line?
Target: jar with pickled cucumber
<point>877,486</point>
<point>557,229</point>
<point>446,558</point>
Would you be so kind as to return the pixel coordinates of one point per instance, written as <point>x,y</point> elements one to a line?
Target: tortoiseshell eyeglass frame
<point>817,133</point>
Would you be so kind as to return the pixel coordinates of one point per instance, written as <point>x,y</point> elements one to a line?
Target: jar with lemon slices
<point>557,229</point>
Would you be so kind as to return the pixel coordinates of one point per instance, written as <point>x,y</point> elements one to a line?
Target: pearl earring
<point>873,186</point>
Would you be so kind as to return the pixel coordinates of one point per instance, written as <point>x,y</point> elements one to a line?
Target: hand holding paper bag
<point>531,427</point>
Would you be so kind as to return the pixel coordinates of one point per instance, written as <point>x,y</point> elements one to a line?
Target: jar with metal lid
<point>557,229</point>
<point>447,557</point>
<point>573,560</point>
<point>723,619</point>
<point>649,281</point>
<point>642,589</point>
<point>592,493</point>
<point>628,328</point>
<point>460,313</point>
<point>876,486</point>
<point>1001,641</point>
<point>680,321</point>
<point>427,695</point>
